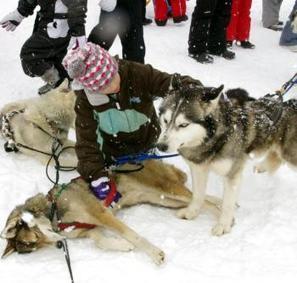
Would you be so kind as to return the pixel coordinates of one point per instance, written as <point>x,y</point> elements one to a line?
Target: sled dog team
<point>111,108</point>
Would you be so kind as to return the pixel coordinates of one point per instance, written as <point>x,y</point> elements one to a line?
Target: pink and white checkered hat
<point>91,66</point>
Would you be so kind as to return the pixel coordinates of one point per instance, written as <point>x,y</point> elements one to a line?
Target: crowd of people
<point>108,88</point>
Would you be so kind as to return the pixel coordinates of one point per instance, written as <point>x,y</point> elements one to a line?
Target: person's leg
<point>179,10</point>
<point>132,34</point>
<point>270,12</point>
<point>145,20</point>
<point>233,24</point>
<point>161,9</point>
<point>105,32</point>
<point>217,31</point>
<point>41,56</point>
<point>289,34</point>
<point>244,25</point>
<point>199,29</point>
<point>244,20</point>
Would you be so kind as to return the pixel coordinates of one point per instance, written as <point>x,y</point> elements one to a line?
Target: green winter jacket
<point>126,125</point>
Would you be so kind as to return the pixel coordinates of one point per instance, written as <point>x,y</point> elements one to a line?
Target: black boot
<point>161,23</point>
<point>276,27</point>
<point>146,21</point>
<point>203,58</point>
<point>180,19</point>
<point>246,44</point>
<point>227,54</point>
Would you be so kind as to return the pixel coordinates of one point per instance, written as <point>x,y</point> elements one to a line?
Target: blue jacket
<point>288,36</point>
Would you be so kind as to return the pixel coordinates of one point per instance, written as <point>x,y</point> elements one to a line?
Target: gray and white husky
<point>217,132</point>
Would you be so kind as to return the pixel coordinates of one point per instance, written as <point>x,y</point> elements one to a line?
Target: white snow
<point>263,242</point>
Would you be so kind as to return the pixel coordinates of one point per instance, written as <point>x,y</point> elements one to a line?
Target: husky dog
<point>29,226</point>
<point>217,132</point>
<point>37,123</point>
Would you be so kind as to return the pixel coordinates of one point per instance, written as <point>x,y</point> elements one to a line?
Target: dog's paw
<point>259,168</point>
<point>158,256</point>
<point>220,229</point>
<point>187,213</point>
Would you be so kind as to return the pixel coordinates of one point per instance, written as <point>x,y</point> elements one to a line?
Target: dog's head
<point>27,228</point>
<point>186,117</point>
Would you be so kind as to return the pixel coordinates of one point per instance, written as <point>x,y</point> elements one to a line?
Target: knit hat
<point>91,66</point>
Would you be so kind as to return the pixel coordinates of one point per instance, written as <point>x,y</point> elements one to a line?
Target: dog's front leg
<point>231,188</point>
<point>109,243</point>
<point>109,221</point>
<point>199,183</point>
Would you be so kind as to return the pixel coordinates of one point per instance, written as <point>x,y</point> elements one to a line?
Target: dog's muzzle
<point>162,146</point>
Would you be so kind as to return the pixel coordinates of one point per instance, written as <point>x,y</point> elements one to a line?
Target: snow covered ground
<point>262,244</point>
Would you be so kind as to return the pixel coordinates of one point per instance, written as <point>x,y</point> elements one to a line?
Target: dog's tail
<point>239,96</point>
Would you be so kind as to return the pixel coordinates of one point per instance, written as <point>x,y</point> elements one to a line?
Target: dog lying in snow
<point>38,122</point>
<point>29,226</point>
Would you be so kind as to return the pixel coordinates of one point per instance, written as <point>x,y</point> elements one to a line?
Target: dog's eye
<point>165,121</point>
<point>183,125</point>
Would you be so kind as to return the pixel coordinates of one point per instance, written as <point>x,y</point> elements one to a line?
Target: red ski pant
<point>161,8</point>
<point>240,23</point>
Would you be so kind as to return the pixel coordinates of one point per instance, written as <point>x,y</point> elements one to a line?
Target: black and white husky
<point>218,132</point>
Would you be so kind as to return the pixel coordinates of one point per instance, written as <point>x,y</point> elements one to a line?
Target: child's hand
<point>105,190</point>
<point>12,20</point>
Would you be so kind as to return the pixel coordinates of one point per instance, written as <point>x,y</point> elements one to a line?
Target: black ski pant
<point>40,52</point>
<point>125,21</point>
<point>208,26</point>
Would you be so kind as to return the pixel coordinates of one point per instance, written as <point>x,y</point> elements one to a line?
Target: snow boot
<point>203,58</point>
<point>52,79</point>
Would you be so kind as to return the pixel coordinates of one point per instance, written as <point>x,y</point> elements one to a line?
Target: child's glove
<point>108,5</point>
<point>12,20</point>
<point>77,42</point>
<point>105,190</point>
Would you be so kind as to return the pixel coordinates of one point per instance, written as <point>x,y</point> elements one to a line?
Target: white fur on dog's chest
<point>221,167</point>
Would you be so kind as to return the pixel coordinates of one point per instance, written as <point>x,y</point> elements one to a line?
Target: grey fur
<point>236,126</point>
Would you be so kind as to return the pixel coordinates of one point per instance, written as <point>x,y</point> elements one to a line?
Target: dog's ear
<point>10,248</point>
<point>10,229</point>
<point>211,93</point>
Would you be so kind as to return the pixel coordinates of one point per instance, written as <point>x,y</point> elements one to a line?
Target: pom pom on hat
<point>91,66</point>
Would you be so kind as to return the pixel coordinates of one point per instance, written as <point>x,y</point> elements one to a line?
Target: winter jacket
<point>288,35</point>
<point>126,125</point>
<point>72,10</point>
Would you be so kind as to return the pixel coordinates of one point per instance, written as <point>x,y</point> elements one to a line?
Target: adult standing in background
<point>270,14</point>
<point>123,18</point>
<point>208,30</point>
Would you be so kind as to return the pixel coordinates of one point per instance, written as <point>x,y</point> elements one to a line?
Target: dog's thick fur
<point>215,132</point>
<point>43,119</point>
<point>28,226</point>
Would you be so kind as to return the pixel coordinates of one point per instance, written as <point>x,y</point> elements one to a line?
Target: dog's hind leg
<point>109,243</point>
<point>270,164</point>
<point>109,221</point>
